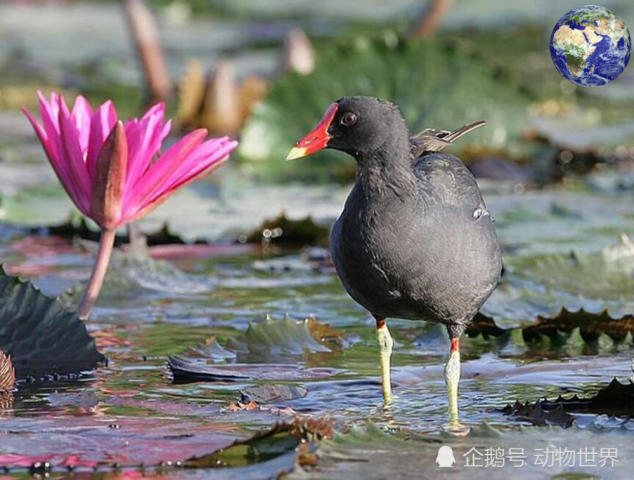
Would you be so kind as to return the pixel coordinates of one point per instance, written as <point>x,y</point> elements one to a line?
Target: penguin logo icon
<point>445,458</point>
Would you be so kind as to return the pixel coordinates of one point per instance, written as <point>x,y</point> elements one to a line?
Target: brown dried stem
<point>146,40</point>
<point>431,19</point>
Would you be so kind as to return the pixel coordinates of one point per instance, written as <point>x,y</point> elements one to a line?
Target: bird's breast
<point>369,255</point>
<point>403,262</point>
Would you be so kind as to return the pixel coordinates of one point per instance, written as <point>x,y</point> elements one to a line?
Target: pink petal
<point>53,159</point>
<point>49,112</point>
<point>81,114</point>
<point>74,159</point>
<point>200,162</point>
<point>50,120</point>
<point>52,144</point>
<point>201,159</point>
<point>145,138</point>
<point>160,172</point>
<point>101,124</point>
<point>51,108</point>
<point>153,110</point>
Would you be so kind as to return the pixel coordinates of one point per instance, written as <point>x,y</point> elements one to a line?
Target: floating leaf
<point>192,370</point>
<point>485,326</point>
<point>187,370</point>
<point>272,393</point>
<point>616,399</point>
<point>589,290</point>
<point>41,336</point>
<point>213,350</point>
<point>590,325</point>
<point>282,337</point>
<point>536,414</point>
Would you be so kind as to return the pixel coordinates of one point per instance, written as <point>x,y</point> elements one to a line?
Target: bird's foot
<point>456,429</point>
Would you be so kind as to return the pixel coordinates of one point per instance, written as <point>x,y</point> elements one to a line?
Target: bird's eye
<point>348,119</point>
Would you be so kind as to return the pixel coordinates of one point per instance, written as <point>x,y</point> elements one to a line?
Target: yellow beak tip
<point>296,152</point>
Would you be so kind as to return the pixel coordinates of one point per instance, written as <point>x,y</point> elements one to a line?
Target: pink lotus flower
<point>113,171</point>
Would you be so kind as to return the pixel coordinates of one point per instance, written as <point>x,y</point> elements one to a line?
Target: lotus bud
<point>109,186</point>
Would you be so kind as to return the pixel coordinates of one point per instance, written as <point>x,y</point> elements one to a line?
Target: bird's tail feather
<point>431,140</point>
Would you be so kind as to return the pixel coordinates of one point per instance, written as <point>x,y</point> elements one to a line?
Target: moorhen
<point>414,240</point>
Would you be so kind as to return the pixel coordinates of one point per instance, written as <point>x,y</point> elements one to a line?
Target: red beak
<point>317,138</point>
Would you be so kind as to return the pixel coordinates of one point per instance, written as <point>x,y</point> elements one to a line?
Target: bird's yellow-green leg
<point>452,378</point>
<point>385,342</point>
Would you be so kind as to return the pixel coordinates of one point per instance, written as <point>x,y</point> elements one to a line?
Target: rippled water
<point>131,413</point>
<point>249,304</point>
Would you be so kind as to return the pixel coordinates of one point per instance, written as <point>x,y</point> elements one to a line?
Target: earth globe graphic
<point>590,46</point>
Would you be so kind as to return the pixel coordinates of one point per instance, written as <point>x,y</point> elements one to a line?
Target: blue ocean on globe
<point>590,46</point>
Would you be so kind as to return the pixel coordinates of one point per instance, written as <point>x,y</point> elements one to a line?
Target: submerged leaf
<point>281,439</point>
<point>41,336</point>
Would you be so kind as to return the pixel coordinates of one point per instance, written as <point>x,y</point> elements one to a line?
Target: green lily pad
<point>42,337</point>
<point>598,284</point>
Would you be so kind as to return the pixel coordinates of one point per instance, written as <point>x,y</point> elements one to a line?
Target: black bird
<point>414,240</point>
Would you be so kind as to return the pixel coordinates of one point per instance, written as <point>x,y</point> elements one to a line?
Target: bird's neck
<point>386,172</point>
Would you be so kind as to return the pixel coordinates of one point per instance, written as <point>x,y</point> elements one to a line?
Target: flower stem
<point>99,270</point>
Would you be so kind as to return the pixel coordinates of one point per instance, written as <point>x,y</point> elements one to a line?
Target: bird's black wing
<point>445,179</point>
<point>431,140</point>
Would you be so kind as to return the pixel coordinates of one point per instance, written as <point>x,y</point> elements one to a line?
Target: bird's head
<point>355,125</point>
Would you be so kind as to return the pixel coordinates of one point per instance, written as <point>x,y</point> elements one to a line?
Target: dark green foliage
<point>42,337</point>
<point>283,230</point>
<point>437,83</point>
